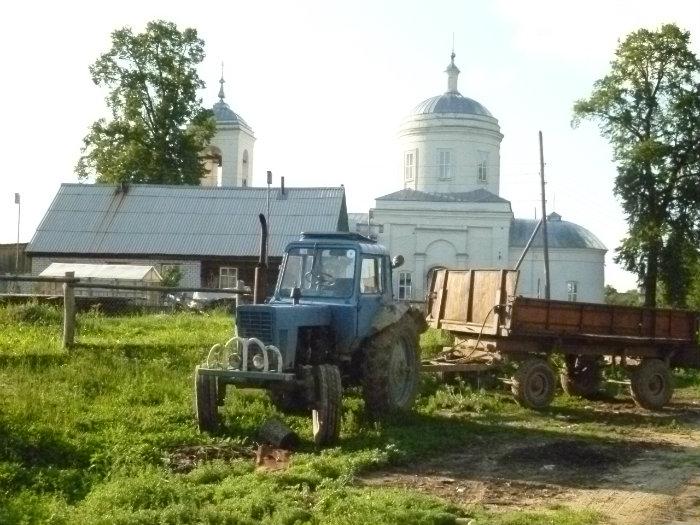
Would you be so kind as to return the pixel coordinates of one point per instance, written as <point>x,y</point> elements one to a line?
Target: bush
<point>32,312</point>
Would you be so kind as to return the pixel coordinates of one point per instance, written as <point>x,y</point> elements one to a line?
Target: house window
<point>409,165</point>
<point>482,166</point>
<point>228,277</point>
<point>371,276</point>
<point>572,290</point>
<point>444,164</point>
<point>405,286</point>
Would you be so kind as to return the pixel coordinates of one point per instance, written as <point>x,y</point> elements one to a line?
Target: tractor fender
<point>390,314</point>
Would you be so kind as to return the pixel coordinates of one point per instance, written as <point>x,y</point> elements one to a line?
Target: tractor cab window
<point>319,272</point>
<point>372,278</point>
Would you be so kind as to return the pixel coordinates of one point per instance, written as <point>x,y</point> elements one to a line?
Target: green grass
<point>83,435</point>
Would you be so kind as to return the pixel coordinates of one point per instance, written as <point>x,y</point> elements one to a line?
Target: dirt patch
<point>642,476</point>
<point>186,458</point>
<point>570,454</point>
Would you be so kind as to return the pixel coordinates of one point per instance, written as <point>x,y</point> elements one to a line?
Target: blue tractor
<point>331,323</point>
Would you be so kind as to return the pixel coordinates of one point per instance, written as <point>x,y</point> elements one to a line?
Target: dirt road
<point>631,475</point>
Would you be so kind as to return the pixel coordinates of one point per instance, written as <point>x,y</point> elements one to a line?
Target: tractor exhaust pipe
<point>260,286</point>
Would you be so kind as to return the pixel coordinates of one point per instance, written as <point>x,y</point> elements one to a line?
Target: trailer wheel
<point>533,384</point>
<point>206,401</point>
<point>651,384</point>
<point>328,404</point>
<point>582,377</point>
<point>391,370</point>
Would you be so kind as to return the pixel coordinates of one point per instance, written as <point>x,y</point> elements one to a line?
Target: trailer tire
<point>206,401</point>
<point>328,404</point>
<point>391,370</point>
<point>651,384</point>
<point>533,384</point>
<point>582,377</point>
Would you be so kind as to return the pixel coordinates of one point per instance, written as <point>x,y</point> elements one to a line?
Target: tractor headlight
<point>258,361</point>
<point>234,361</point>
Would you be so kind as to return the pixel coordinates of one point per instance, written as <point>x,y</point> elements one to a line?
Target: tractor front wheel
<point>391,370</point>
<point>328,404</point>
<point>206,401</point>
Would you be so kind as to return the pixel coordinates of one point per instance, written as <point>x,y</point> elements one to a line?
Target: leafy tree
<point>628,298</point>
<point>648,106</point>
<point>158,126</point>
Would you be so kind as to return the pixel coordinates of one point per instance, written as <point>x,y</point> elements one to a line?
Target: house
<point>210,234</point>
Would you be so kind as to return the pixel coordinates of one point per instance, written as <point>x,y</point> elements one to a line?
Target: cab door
<point>372,289</point>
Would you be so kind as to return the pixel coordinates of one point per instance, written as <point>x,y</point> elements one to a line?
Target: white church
<point>447,211</point>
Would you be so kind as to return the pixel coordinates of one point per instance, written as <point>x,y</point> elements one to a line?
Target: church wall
<point>227,141</point>
<point>585,267</point>
<point>430,234</point>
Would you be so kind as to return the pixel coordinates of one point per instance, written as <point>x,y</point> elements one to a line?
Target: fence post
<point>68,311</point>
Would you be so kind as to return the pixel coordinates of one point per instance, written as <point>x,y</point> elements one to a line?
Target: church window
<point>409,165</point>
<point>405,286</point>
<point>244,168</point>
<point>483,166</point>
<point>572,290</point>
<point>444,164</point>
<point>228,277</point>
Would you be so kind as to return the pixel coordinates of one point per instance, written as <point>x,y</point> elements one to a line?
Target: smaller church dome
<point>224,114</point>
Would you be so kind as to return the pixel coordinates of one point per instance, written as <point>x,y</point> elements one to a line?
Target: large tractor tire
<point>328,404</point>
<point>391,370</point>
<point>533,384</point>
<point>206,401</point>
<point>582,377</point>
<point>651,384</point>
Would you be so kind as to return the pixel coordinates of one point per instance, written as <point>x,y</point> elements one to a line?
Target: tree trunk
<point>652,274</point>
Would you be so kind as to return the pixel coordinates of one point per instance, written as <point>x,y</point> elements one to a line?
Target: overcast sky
<point>325,85</point>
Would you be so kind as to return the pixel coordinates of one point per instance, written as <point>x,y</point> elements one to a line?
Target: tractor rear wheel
<point>328,404</point>
<point>533,384</point>
<point>651,384</point>
<point>391,370</point>
<point>206,401</point>
<point>582,376</point>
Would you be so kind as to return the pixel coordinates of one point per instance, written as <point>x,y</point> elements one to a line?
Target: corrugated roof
<point>357,218</point>
<point>182,220</point>
<point>560,234</point>
<point>126,272</point>
<point>407,194</point>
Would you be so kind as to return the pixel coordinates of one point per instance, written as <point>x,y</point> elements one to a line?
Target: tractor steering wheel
<point>319,278</point>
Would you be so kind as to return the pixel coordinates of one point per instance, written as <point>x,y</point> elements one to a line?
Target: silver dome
<point>451,102</point>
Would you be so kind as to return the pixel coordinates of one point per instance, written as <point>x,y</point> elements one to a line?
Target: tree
<point>648,106</point>
<point>158,127</point>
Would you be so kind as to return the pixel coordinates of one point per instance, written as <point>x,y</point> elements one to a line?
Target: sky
<point>326,84</point>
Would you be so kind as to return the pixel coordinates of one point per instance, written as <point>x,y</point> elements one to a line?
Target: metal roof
<point>143,219</point>
<point>124,272</point>
<point>407,194</point>
<point>451,102</point>
<point>223,114</point>
<point>560,234</point>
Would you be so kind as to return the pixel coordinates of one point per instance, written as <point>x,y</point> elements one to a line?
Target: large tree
<point>648,106</point>
<point>158,127</point>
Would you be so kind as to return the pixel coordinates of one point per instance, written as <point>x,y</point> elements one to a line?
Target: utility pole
<point>544,225</point>
<point>17,202</point>
<point>267,216</point>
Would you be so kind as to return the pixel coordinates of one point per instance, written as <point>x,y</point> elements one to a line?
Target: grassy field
<point>97,435</point>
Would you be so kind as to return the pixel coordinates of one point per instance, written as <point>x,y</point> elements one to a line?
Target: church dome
<point>560,234</point>
<point>451,103</point>
<point>225,115</point>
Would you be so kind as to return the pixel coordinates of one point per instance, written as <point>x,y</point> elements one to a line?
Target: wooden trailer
<point>487,318</point>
